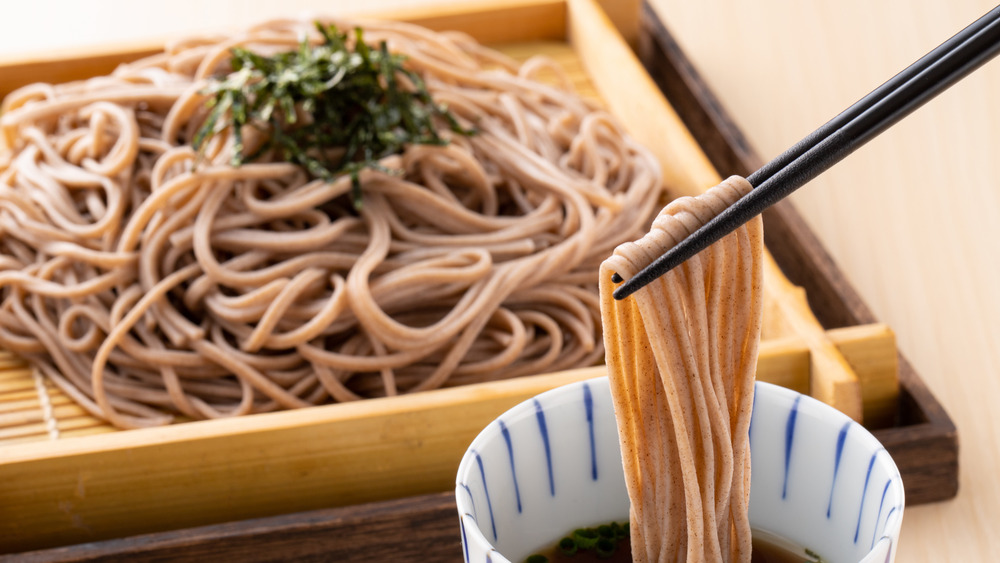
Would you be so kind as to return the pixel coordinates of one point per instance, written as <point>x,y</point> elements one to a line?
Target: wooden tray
<point>384,464</point>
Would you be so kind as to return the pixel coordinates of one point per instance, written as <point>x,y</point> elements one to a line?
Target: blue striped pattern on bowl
<point>553,464</point>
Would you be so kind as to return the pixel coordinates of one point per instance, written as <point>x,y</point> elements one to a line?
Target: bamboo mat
<point>33,409</point>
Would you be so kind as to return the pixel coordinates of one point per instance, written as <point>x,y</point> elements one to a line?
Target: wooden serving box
<point>373,480</point>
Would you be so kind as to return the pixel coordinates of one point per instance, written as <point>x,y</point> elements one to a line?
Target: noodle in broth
<point>681,354</point>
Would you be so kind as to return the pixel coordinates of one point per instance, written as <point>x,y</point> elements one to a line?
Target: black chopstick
<point>895,99</point>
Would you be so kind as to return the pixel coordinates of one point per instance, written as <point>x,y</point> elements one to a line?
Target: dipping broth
<point>616,548</point>
<point>772,548</point>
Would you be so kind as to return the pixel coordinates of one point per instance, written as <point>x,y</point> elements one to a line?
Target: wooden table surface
<point>913,218</point>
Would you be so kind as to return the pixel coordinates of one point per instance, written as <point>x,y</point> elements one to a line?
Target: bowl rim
<point>468,458</point>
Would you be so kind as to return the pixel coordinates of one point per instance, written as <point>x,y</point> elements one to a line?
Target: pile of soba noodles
<point>147,279</point>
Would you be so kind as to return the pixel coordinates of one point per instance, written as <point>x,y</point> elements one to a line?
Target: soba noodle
<point>146,280</point>
<point>682,354</point>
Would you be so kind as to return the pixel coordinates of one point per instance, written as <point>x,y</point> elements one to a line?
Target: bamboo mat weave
<point>33,409</point>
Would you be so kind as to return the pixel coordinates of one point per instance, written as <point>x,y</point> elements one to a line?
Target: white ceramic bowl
<point>553,464</point>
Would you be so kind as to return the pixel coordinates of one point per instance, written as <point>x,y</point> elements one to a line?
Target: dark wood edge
<point>422,528</point>
<point>926,451</point>
<point>924,441</point>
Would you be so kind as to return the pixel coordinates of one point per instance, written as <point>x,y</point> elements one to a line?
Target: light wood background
<point>913,218</point>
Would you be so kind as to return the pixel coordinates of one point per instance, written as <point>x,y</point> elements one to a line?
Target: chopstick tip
<point>627,288</point>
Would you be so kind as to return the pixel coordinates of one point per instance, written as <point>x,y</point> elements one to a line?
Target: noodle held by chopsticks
<point>147,279</point>
<point>682,354</point>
